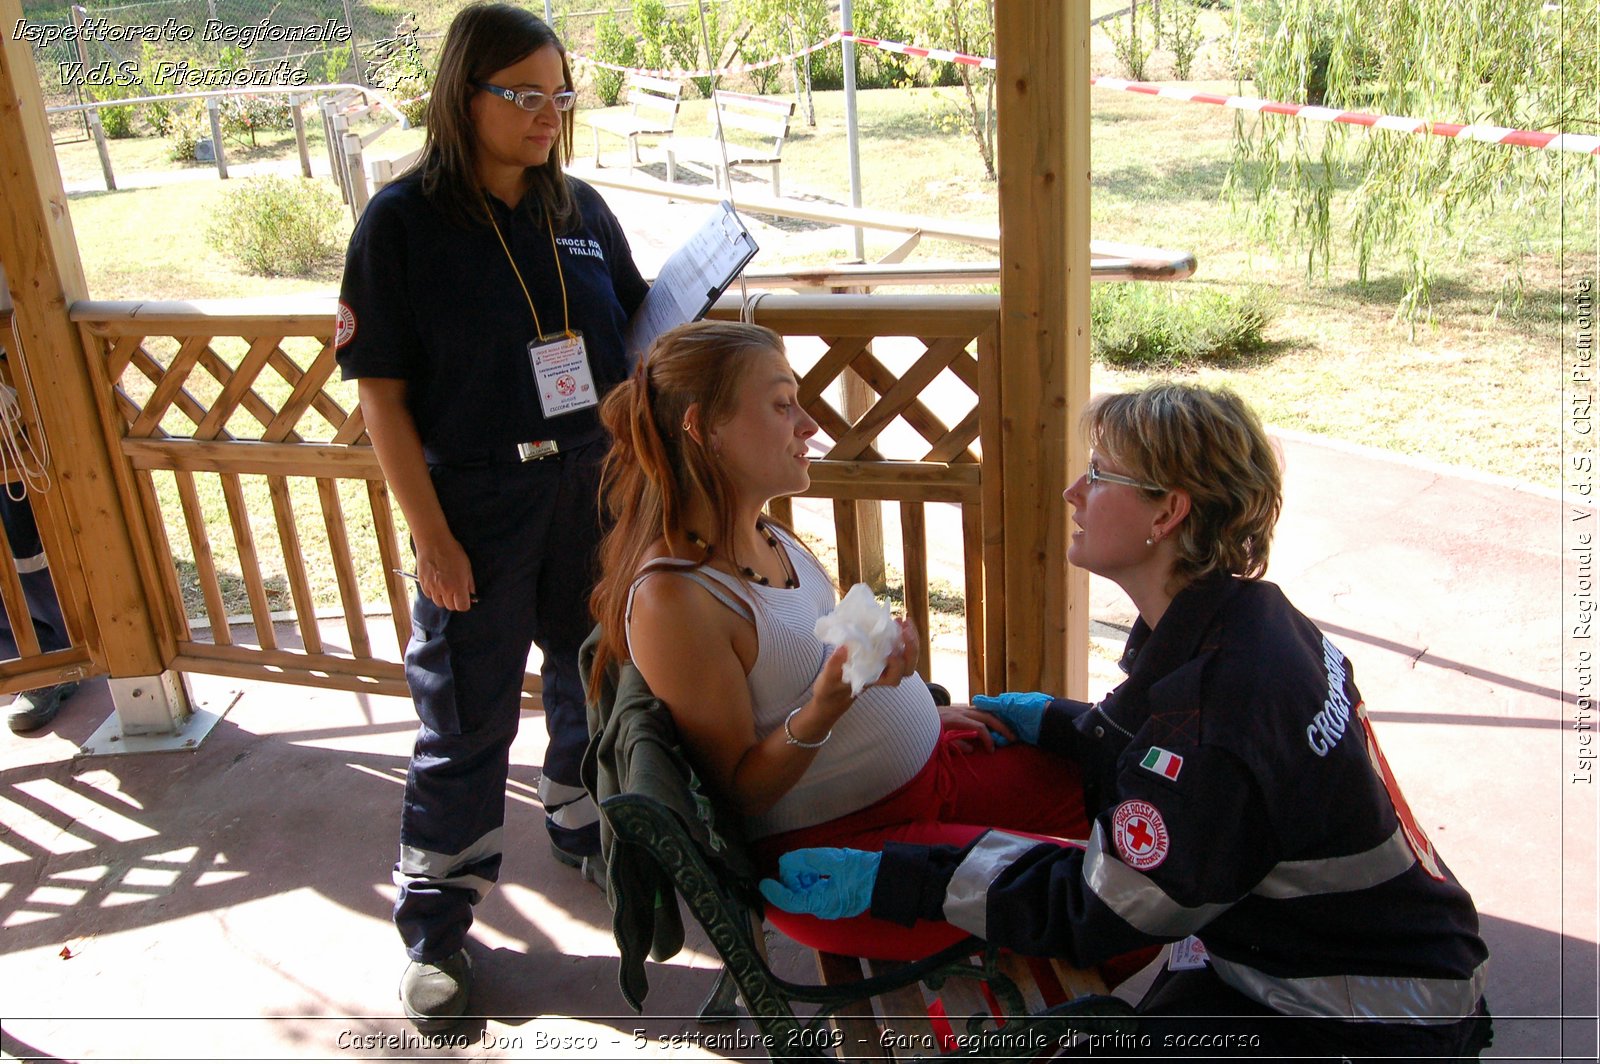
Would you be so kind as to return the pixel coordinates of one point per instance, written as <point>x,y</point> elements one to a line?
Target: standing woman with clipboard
<point>482,311</point>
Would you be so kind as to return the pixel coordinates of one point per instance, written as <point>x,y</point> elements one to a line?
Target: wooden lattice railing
<point>228,418</point>
<point>235,420</point>
<point>951,336</point>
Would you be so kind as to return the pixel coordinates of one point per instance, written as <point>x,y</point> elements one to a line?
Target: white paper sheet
<point>693,278</point>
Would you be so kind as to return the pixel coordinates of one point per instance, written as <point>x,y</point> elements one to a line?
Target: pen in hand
<point>415,579</point>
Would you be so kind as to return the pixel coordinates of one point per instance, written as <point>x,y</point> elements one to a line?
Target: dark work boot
<point>32,710</point>
<point>435,995</point>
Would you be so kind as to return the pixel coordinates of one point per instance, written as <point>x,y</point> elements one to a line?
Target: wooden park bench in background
<point>753,131</point>
<point>652,111</point>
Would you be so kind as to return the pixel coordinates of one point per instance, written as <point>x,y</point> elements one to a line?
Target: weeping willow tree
<point>1523,64</point>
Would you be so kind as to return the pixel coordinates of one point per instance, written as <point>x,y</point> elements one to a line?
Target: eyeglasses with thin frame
<point>532,100</point>
<point>1094,476</point>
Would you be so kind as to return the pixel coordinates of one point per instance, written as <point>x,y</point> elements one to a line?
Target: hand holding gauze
<point>867,629</point>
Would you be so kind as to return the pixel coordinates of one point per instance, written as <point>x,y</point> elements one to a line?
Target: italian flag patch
<point>1162,762</point>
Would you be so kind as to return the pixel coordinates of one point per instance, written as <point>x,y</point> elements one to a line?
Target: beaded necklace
<point>749,573</point>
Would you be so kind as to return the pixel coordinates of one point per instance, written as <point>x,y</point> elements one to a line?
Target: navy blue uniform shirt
<point>437,304</point>
<point>1236,792</point>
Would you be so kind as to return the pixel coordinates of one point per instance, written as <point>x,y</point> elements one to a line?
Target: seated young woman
<point>715,603</point>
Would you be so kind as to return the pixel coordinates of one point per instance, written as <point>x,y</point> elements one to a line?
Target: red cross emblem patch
<point>1140,834</point>
<point>344,329</point>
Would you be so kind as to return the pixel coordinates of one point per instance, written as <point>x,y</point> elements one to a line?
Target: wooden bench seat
<point>653,105</point>
<point>753,130</point>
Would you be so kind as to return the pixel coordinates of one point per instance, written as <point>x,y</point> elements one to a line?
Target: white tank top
<point>884,739</point>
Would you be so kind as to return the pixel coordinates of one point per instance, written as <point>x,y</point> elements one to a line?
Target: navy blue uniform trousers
<point>531,531</point>
<point>38,590</point>
<point>1193,1014</point>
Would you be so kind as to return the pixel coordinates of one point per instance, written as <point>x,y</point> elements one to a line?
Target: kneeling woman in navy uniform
<point>483,306</point>
<point>1235,788</point>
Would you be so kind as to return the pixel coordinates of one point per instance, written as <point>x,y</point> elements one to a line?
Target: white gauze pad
<point>867,628</point>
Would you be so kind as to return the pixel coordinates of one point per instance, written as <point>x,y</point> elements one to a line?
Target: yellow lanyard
<point>566,315</point>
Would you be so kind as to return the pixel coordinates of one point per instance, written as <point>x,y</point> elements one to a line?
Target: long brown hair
<point>656,470</point>
<point>482,39</point>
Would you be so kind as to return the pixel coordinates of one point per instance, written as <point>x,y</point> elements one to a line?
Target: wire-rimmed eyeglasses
<point>1094,476</point>
<point>532,100</point>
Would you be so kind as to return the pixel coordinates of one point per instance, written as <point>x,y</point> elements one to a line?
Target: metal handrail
<point>1108,261</point>
<point>243,90</point>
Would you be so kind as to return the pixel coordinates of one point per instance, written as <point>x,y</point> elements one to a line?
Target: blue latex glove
<point>826,882</point>
<point>1021,710</point>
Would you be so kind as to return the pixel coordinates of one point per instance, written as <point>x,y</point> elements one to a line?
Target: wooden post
<point>95,486</point>
<point>1042,83</point>
<point>215,111</point>
<point>355,45</point>
<point>296,102</point>
<point>857,398</point>
<point>356,174</point>
<point>96,127</point>
<point>331,143</point>
<point>341,164</point>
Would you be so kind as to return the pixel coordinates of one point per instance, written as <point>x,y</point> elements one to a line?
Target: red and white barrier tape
<point>1487,134</point>
<point>1523,138</point>
<point>918,52</point>
<point>737,68</point>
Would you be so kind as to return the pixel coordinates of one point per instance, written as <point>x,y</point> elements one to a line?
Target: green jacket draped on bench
<point>634,749</point>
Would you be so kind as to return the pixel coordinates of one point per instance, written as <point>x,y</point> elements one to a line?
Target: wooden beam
<point>40,254</point>
<point>43,670</point>
<point>248,456</point>
<point>865,316</point>
<point>1042,95</point>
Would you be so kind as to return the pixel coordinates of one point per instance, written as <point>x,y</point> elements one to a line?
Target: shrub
<point>161,116</point>
<point>243,117</point>
<point>1155,326</point>
<point>611,45</point>
<point>767,80</point>
<point>335,64</point>
<point>278,226</point>
<point>184,132</point>
<point>415,112</point>
<point>670,41</point>
<point>1132,53</point>
<point>1183,35</point>
<point>118,122</point>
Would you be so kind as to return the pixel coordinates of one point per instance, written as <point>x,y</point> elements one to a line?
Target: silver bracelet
<point>788,735</point>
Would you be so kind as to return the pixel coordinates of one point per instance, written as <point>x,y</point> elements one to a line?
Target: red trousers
<point>955,798</point>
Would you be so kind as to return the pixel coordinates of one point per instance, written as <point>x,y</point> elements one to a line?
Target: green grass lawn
<point>1478,386</point>
<point>1471,387</point>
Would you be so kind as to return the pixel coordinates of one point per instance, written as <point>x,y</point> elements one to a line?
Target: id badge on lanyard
<point>562,374</point>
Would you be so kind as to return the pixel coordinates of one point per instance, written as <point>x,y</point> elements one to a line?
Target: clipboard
<point>692,279</point>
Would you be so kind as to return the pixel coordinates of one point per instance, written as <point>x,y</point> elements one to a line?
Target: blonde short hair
<point>1211,445</point>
